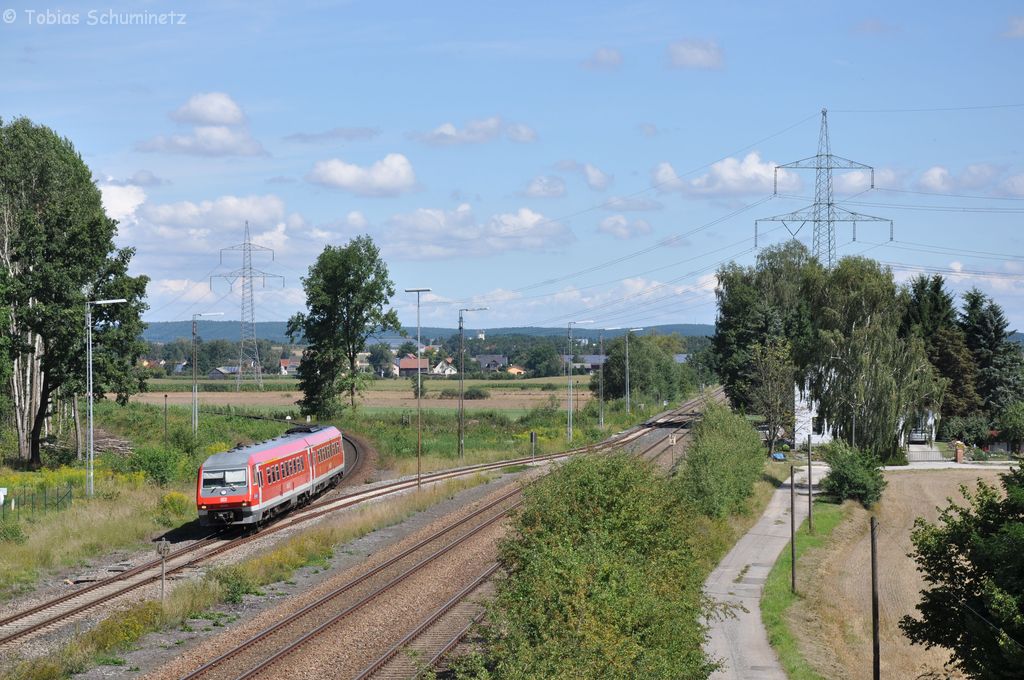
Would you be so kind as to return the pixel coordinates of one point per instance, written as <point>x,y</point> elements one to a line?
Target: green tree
<point>543,360</point>
<point>347,291</point>
<point>58,252</point>
<point>1011,424</point>
<point>381,358</point>
<point>972,560</point>
<point>652,371</point>
<point>772,391</point>
<point>999,361</point>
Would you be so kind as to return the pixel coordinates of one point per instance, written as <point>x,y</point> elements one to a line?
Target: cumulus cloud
<point>218,130</point>
<point>727,177</point>
<point>1015,28</point>
<point>220,214</point>
<point>429,233</point>
<point>695,54</point>
<point>141,178</point>
<point>604,59</point>
<point>207,140</point>
<point>860,180</point>
<point>477,132</point>
<point>390,176</point>
<point>545,186</point>
<point>975,176</point>
<point>120,201</point>
<point>344,134</point>
<point>620,227</point>
<point>596,178</point>
<point>210,108</point>
<point>1013,185</point>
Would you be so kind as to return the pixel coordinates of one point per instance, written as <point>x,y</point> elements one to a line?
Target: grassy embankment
<point>778,597</point>
<point>198,598</point>
<point>607,563</point>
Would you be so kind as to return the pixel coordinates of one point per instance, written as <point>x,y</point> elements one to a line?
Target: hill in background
<point>274,331</point>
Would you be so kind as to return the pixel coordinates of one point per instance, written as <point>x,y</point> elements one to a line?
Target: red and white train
<point>250,484</point>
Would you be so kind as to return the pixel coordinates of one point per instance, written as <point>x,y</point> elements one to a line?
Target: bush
<point>235,582</point>
<point>160,464</point>
<point>11,532</point>
<point>175,508</point>
<point>726,458</point>
<point>971,430</point>
<point>449,393</point>
<point>853,474</point>
<point>477,393</point>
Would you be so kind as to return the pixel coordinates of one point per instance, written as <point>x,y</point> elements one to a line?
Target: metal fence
<point>31,500</point>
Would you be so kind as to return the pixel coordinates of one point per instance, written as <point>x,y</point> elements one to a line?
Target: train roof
<point>240,456</point>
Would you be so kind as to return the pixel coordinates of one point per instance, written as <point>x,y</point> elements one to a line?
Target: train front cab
<point>225,497</point>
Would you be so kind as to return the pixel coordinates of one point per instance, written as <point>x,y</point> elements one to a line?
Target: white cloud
<point>520,132</point>
<point>390,176</point>
<point>1013,186</point>
<point>604,59</point>
<point>141,178</point>
<point>356,220</point>
<point>975,176</point>
<point>620,227</point>
<point>120,202</point>
<point>428,233</point>
<point>226,213</point>
<point>1015,29</point>
<point>695,54</point>
<point>860,180</point>
<point>631,203</point>
<point>545,186</point>
<point>207,140</point>
<point>210,108</point>
<point>727,177</point>
<point>187,289</point>
<point>477,132</point>
<point>649,129</point>
<point>345,134</point>
<point>596,178</point>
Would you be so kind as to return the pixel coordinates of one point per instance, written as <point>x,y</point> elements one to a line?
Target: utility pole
<point>628,396</point>
<point>823,213</point>
<point>601,397</point>
<point>248,352</point>
<point>810,493</point>
<point>876,664</point>
<point>792,527</point>
<point>419,385</point>
<point>462,381</point>
<point>571,354</point>
<point>195,369</point>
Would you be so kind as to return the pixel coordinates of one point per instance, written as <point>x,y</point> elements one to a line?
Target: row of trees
<point>210,354</point>
<point>874,355</point>
<point>57,253</point>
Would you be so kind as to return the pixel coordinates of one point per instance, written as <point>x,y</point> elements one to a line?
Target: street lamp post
<point>569,425</point>
<point>195,371</point>
<point>462,380</point>
<point>601,396</point>
<point>419,383</point>
<point>89,486</point>
<point>631,330</point>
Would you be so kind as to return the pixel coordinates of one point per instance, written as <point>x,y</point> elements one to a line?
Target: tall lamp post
<point>601,396</point>
<point>195,371</point>
<point>571,353</point>
<point>88,358</point>
<point>462,380</point>
<point>631,330</point>
<point>419,383</point>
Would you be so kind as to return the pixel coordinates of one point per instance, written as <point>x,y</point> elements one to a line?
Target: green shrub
<point>175,508</point>
<point>853,474</point>
<point>235,581</point>
<point>784,448</point>
<point>160,464</point>
<point>723,463</point>
<point>449,393</point>
<point>477,393</point>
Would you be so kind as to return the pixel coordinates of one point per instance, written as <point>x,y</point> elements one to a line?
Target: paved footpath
<point>741,643</point>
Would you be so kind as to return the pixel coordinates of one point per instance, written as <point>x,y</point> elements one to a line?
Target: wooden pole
<point>792,526</point>
<point>876,660</point>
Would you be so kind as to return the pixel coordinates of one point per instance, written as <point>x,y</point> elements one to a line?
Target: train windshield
<point>213,479</point>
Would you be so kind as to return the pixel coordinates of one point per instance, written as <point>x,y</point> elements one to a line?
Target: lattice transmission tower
<point>248,354</point>
<point>823,213</point>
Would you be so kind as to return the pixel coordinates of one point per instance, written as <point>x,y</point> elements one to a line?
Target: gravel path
<point>740,642</point>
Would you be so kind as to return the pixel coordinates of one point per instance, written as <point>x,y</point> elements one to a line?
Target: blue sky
<point>551,161</point>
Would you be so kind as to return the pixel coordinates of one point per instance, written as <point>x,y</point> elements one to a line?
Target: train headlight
<point>202,507</point>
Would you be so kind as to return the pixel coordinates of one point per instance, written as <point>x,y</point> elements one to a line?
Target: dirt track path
<point>833,622</point>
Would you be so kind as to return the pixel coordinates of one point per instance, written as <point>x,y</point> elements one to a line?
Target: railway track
<point>267,653</point>
<point>64,608</point>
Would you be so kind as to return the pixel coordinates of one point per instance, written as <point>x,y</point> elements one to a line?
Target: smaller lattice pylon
<point>249,367</point>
